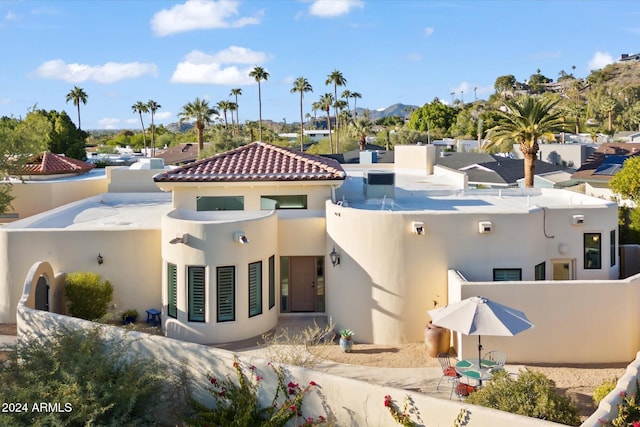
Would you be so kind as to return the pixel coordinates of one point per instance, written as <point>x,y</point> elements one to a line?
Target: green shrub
<point>88,294</point>
<point>531,394</point>
<point>90,381</point>
<point>603,390</point>
<point>628,410</point>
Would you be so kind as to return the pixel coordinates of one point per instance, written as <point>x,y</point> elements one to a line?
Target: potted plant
<point>130,316</point>
<point>346,340</point>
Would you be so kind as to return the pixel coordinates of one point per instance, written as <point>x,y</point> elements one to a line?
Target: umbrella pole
<point>480,351</point>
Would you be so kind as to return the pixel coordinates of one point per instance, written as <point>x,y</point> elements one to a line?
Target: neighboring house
<point>180,154</point>
<point>627,136</point>
<point>602,165</point>
<point>559,179</point>
<point>491,171</point>
<point>569,155</point>
<point>260,232</point>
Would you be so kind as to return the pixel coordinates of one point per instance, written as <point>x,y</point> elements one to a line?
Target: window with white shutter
<point>197,302</point>
<point>226,286</point>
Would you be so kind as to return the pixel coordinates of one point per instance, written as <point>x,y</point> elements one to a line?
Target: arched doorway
<point>42,294</point>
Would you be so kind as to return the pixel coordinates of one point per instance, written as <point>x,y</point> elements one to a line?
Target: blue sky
<point>404,51</point>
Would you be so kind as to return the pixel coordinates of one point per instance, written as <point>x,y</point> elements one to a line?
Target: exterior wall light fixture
<point>240,237</point>
<point>99,259</point>
<point>335,257</point>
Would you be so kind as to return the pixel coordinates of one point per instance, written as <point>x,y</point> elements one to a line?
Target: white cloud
<point>199,67</point>
<point>200,15</point>
<point>600,60</point>
<point>133,121</point>
<point>163,115</point>
<point>332,8</point>
<point>107,73</point>
<point>5,101</point>
<point>414,57</point>
<point>10,16</point>
<point>108,123</point>
<point>428,31</point>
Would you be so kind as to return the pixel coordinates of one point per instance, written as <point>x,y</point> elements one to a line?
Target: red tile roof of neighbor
<point>257,161</point>
<point>54,164</point>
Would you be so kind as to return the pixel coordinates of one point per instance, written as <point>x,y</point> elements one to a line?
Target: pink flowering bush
<point>401,417</point>
<point>628,410</point>
<point>236,402</point>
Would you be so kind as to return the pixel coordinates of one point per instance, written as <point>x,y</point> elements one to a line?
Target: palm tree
<point>259,73</point>
<point>77,95</point>
<point>232,106</point>
<point>325,103</point>
<point>224,106</point>
<point>199,112</point>
<point>301,85</point>
<point>139,108</point>
<point>360,128</point>
<point>153,106</point>
<point>526,120</point>
<point>346,94</point>
<point>355,96</point>
<point>235,92</point>
<point>337,79</point>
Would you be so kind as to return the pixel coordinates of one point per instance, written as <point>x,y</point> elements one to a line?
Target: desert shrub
<point>85,381</point>
<point>236,401</point>
<point>603,390</point>
<point>531,394</point>
<point>89,294</point>
<point>292,349</point>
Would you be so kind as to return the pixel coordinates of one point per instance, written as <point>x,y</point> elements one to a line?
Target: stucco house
<point>236,240</point>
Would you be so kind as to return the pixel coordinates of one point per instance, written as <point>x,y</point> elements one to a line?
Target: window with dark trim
<point>226,289</point>
<point>196,289</point>
<point>540,271</point>
<point>592,251</point>
<point>612,247</point>
<point>283,202</point>
<point>507,274</point>
<point>220,203</point>
<point>255,288</point>
<point>272,281</point>
<point>172,290</point>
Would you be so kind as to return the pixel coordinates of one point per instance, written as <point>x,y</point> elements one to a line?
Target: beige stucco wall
<point>574,321</point>
<point>124,180</point>
<point>415,157</point>
<point>343,401</point>
<point>33,197</point>
<point>211,244</point>
<point>184,195</point>
<point>132,262</point>
<point>389,277</point>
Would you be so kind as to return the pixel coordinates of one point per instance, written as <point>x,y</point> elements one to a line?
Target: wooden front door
<point>302,275</point>
<point>562,269</point>
<point>42,294</point>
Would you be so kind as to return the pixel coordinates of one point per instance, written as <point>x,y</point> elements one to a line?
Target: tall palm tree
<point>355,96</point>
<point>337,79</point>
<point>525,121</point>
<point>77,95</point>
<point>232,106</point>
<point>235,92</point>
<point>224,106</point>
<point>325,103</point>
<point>138,108</point>
<point>346,94</point>
<point>301,85</point>
<point>200,113</point>
<point>259,73</point>
<point>153,106</point>
<point>360,128</point>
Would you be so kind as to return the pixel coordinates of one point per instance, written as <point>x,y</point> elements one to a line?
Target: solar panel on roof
<point>609,169</point>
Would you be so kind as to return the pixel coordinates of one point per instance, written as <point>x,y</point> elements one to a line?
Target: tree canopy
<point>626,182</point>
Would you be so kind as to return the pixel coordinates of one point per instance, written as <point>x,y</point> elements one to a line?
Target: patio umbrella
<point>480,316</point>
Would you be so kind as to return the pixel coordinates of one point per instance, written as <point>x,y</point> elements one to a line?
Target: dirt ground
<point>577,382</point>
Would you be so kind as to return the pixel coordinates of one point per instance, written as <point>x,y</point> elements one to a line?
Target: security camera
<point>243,240</point>
<point>419,230</point>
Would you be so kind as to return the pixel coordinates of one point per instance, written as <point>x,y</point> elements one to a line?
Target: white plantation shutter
<point>226,279</point>
<point>255,288</point>
<point>196,294</point>
<point>172,291</point>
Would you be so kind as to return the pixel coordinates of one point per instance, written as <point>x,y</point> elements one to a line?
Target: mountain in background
<point>400,110</point>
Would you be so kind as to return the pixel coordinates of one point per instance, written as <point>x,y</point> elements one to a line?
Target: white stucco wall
<point>132,262</point>
<point>211,244</point>
<point>389,277</point>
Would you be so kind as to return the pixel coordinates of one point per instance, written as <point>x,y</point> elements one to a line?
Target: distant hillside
<point>400,110</point>
<point>618,74</point>
<point>179,127</point>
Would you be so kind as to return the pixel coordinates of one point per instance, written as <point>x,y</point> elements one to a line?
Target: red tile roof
<point>54,164</point>
<point>257,161</point>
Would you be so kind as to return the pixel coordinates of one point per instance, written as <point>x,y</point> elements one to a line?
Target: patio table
<point>476,369</point>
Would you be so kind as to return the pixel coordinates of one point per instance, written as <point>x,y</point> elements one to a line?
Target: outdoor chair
<point>448,370</point>
<point>498,357</point>
<point>461,389</point>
